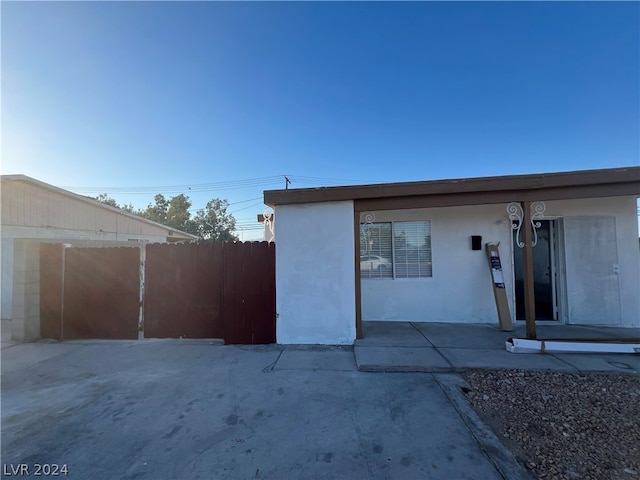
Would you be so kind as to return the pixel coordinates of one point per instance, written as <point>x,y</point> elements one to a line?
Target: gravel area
<point>560,425</point>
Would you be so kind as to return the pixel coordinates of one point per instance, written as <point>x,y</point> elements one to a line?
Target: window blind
<point>396,249</point>
<point>376,251</point>
<point>412,249</point>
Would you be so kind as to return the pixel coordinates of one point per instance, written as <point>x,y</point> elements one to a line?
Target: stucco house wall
<point>315,278</point>
<point>588,252</point>
<point>627,267</point>
<point>460,288</point>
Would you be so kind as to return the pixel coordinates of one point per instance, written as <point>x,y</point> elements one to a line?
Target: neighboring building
<point>34,212</point>
<point>403,252</point>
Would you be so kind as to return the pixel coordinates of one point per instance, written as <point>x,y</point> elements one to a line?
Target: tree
<point>158,212</point>
<point>214,223</point>
<point>172,213</point>
<point>107,200</point>
<point>211,223</point>
<point>178,215</point>
<point>129,208</point>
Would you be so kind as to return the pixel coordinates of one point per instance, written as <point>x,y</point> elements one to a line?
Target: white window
<point>376,258</point>
<point>395,250</point>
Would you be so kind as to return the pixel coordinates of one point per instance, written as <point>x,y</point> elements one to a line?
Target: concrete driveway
<point>179,409</point>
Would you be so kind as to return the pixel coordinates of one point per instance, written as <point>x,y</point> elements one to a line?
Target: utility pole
<point>287,182</point>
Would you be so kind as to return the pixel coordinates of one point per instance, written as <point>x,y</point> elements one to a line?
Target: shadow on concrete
<point>455,347</point>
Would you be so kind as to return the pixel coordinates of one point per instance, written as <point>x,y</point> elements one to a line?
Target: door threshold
<point>542,322</point>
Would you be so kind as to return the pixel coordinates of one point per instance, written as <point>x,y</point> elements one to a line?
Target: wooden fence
<point>208,290</point>
<point>89,292</point>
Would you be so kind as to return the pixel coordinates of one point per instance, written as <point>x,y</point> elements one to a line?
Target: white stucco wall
<point>315,275</point>
<point>624,209</point>
<point>460,289</point>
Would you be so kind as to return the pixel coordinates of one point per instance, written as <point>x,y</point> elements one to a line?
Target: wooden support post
<point>529,293</point>
<point>356,252</point>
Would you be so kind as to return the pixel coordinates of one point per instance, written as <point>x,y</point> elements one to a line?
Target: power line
<point>185,188</point>
<point>245,201</point>
<point>244,208</point>
<point>316,180</point>
<point>205,187</point>
<point>249,222</point>
<point>233,203</point>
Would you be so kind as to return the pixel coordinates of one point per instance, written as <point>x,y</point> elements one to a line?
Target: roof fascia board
<point>485,198</point>
<point>617,176</point>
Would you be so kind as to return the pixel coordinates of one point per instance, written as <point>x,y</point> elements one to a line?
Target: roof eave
<point>628,176</point>
<point>62,191</point>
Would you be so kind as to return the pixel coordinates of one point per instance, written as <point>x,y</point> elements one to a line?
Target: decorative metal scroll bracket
<point>516,216</point>
<point>267,221</point>
<point>366,219</point>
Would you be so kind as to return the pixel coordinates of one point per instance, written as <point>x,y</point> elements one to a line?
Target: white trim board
<point>521,345</point>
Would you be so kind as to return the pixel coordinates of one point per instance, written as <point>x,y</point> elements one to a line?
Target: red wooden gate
<point>249,293</point>
<point>211,290</point>
<point>89,292</point>
<point>101,293</point>
<point>183,291</point>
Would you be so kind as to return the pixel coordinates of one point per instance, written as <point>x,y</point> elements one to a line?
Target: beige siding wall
<point>31,211</point>
<point>25,322</point>
<point>26,205</point>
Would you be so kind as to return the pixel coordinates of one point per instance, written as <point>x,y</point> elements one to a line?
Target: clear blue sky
<point>130,95</point>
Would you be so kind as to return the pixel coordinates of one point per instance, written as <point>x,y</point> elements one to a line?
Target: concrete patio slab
<point>479,346</point>
<point>400,359</point>
<point>561,331</point>
<point>324,359</point>
<point>457,335</point>
<point>609,363</point>
<point>392,334</point>
<point>464,358</point>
